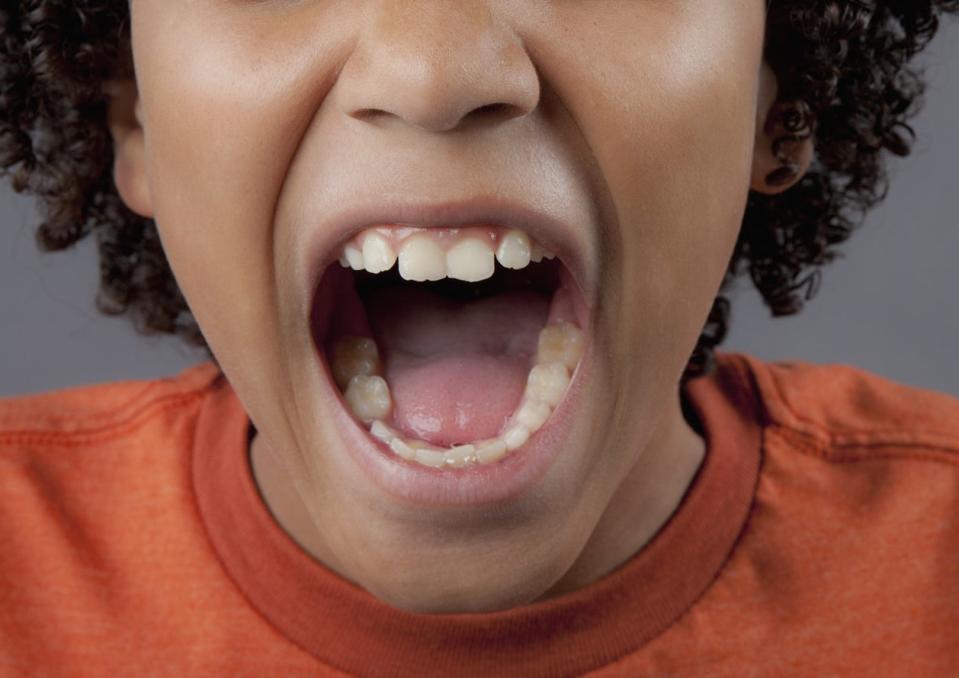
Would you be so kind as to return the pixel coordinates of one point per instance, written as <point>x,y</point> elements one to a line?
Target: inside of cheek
<point>456,356</point>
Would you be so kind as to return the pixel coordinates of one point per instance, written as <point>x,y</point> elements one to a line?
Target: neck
<point>643,503</point>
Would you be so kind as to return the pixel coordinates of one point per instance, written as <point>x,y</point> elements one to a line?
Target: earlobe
<point>124,118</point>
<point>784,144</point>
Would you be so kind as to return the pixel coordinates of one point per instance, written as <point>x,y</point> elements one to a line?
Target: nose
<point>435,64</point>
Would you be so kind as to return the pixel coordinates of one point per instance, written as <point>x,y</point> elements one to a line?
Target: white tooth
<point>470,260</point>
<point>459,455</point>
<point>490,451</point>
<point>536,253</point>
<point>547,383</point>
<point>344,262</point>
<point>423,445</point>
<point>353,356</point>
<point>514,250</point>
<point>430,457</point>
<point>421,258</point>
<point>368,397</point>
<point>399,446</point>
<point>378,255</point>
<point>383,432</point>
<point>533,414</point>
<point>515,436</point>
<point>354,257</point>
<point>560,343</point>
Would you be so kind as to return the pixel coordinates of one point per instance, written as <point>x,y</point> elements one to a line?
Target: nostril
<point>487,112</point>
<point>492,108</point>
<point>498,110</point>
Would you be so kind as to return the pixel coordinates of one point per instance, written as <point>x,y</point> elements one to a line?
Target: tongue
<point>456,369</point>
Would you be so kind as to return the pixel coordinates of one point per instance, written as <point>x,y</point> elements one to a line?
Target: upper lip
<point>552,232</point>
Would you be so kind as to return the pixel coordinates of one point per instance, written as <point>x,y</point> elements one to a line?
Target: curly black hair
<point>845,79</point>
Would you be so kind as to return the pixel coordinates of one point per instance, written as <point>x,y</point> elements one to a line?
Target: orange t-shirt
<point>819,537</point>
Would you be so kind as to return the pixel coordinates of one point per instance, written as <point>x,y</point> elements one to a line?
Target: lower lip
<point>501,481</point>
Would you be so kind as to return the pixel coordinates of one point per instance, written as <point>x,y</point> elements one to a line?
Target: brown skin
<point>635,120</point>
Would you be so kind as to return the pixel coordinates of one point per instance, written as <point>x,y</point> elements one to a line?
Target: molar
<point>368,397</point>
<point>560,343</point>
<point>354,356</point>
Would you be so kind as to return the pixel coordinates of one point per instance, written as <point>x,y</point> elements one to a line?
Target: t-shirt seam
<point>7,419</point>
<point>111,431</point>
<point>834,436</point>
<point>812,445</point>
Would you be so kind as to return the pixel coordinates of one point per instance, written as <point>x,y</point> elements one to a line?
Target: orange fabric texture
<point>820,537</point>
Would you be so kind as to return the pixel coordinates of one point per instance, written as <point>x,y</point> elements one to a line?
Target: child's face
<point>632,122</point>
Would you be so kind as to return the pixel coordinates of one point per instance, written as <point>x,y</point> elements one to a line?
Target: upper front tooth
<point>537,253</point>
<point>514,250</point>
<point>470,260</point>
<point>378,255</point>
<point>421,258</point>
<point>353,257</point>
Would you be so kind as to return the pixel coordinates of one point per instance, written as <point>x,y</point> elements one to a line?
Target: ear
<point>124,118</point>
<point>777,167</point>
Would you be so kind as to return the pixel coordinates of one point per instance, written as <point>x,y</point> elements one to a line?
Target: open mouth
<point>451,347</point>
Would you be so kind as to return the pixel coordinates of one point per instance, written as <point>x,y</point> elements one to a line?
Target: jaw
<point>398,528</point>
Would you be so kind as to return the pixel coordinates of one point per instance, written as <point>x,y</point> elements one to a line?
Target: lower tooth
<point>368,397</point>
<point>516,436</point>
<point>460,455</point>
<point>383,432</point>
<point>490,451</point>
<point>430,457</point>
<point>533,414</point>
<point>560,343</point>
<point>353,356</point>
<point>547,383</point>
<point>399,446</point>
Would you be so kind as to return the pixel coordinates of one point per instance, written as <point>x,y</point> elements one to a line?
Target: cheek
<point>669,113</point>
<point>227,110</point>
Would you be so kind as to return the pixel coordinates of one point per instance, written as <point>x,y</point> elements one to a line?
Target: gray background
<point>889,306</point>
